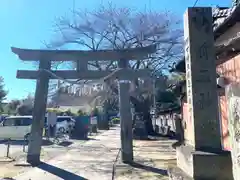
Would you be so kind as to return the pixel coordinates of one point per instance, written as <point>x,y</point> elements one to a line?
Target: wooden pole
<point>39,110</point>
<point>125,117</point>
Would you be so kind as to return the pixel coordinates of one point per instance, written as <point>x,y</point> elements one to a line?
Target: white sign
<point>94,120</point>
<point>51,118</point>
<point>124,81</point>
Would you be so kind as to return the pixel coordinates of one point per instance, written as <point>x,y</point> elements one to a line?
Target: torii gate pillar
<point>125,116</point>
<point>39,111</point>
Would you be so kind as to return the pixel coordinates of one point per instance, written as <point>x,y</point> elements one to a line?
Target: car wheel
<point>61,129</point>
<point>27,137</point>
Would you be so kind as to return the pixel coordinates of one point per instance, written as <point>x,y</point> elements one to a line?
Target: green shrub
<point>116,120</point>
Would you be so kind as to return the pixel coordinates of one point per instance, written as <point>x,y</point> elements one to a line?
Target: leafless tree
<point>111,27</point>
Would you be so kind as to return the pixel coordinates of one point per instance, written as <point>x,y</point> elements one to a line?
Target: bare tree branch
<point>116,28</point>
<point>111,27</point>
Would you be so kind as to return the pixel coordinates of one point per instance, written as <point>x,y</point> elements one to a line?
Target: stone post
<point>201,79</point>
<point>125,117</point>
<point>233,101</point>
<point>39,110</point>
<point>202,157</point>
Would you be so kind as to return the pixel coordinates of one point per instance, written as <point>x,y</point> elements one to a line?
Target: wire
<point>195,3</point>
<point>77,82</point>
<point>104,79</point>
<point>60,78</point>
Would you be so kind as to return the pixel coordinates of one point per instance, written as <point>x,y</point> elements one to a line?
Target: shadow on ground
<point>4,160</point>
<point>83,138</point>
<point>61,173</point>
<point>65,143</point>
<point>149,168</point>
<point>22,142</point>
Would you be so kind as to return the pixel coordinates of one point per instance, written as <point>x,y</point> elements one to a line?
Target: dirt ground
<point>16,164</point>
<point>95,158</point>
<point>152,160</point>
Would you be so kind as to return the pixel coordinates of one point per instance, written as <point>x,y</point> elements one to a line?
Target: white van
<point>15,127</point>
<point>19,127</point>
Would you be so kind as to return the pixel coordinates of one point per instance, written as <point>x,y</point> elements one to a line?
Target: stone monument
<point>201,157</point>
<point>233,100</point>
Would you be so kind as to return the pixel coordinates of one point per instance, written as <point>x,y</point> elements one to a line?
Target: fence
<point>164,124</point>
<point>10,149</point>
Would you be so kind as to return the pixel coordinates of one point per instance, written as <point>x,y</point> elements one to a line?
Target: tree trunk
<point>148,123</point>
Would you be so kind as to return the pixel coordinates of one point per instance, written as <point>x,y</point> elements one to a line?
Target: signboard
<point>187,125</point>
<point>51,118</point>
<point>93,120</point>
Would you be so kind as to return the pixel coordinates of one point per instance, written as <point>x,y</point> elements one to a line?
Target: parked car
<point>2,117</point>
<point>65,124</point>
<point>19,127</point>
<point>16,127</point>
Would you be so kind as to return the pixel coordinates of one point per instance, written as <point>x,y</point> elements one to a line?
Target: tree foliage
<point>3,93</point>
<point>24,109</point>
<point>69,113</point>
<point>175,78</point>
<point>166,97</point>
<point>81,113</point>
<point>12,105</point>
<point>26,106</point>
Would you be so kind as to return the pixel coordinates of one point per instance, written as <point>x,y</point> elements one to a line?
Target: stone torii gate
<point>45,57</point>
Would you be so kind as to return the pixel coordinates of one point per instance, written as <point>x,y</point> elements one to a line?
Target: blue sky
<point>27,23</point>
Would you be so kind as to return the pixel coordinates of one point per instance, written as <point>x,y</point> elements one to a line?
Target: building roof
<point>223,19</point>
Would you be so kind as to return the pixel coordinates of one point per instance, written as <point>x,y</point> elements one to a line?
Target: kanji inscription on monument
<point>201,78</point>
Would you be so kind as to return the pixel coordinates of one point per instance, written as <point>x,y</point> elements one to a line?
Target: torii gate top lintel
<point>84,55</point>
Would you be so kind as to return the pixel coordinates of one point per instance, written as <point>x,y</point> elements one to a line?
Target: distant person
<point>52,122</point>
